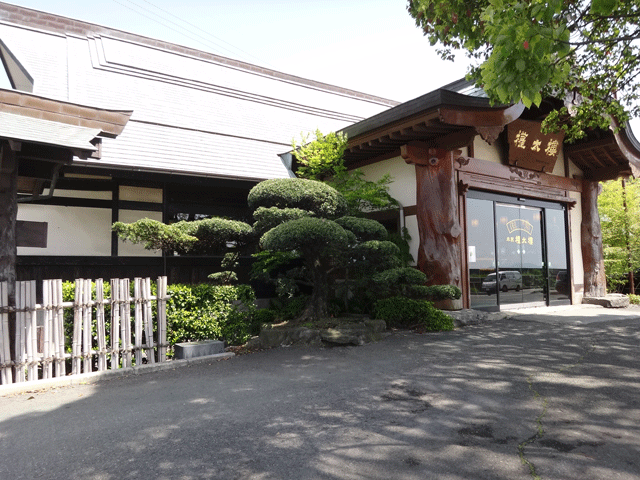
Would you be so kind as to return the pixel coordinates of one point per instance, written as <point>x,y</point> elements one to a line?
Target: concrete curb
<point>86,378</point>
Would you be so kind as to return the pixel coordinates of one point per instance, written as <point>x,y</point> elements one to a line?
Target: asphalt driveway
<point>517,398</point>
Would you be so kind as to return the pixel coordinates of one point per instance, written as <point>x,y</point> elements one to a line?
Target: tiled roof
<point>36,130</point>
<point>192,111</point>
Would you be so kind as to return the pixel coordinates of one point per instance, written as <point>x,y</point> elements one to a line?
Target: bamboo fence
<point>41,348</point>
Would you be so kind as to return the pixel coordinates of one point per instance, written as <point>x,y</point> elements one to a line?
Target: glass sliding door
<point>520,254</point>
<point>517,252</point>
<point>482,252</point>
<point>558,270</point>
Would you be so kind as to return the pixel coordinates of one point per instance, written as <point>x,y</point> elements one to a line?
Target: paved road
<point>517,398</point>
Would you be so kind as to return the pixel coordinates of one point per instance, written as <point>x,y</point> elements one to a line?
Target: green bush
<point>268,218</point>
<point>406,312</point>
<point>264,315</point>
<point>435,292</point>
<point>289,308</point>
<point>634,299</point>
<point>310,195</point>
<point>315,234</point>
<point>210,312</point>
<point>363,228</point>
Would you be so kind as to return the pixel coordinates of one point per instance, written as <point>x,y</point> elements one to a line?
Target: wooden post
<point>8,214</point>
<point>47,364</point>
<point>58,332</point>
<point>162,318</point>
<point>76,366</point>
<point>86,327</point>
<point>100,326</point>
<point>125,319</point>
<point>137,293</point>
<point>148,320</point>
<point>595,283</point>
<point>5,341</point>
<point>439,253</point>
<point>20,341</point>
<point>115,323</point>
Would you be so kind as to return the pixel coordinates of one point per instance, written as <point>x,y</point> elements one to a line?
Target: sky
<point>371,46</point>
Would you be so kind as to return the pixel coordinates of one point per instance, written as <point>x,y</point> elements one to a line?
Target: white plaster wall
<point>128,249</point>
<point>141,194</point>
<point>71,230</point>
<point>403,189</point>
<point>484,151</point>
<point>103,195</point>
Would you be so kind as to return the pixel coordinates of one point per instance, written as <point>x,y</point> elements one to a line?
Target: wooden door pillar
<point>439,253</point>
<point>595,283</point>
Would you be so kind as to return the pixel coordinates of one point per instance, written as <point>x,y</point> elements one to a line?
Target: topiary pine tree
<point>310,225</point>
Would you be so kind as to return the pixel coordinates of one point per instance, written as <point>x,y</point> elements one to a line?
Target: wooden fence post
<point>161,303</point>
<point>47,365</point>
<point>100,326</point>
<point>5,345</point>
<point>115,323</point>
<point>125,319</point>
<point>58,329</point>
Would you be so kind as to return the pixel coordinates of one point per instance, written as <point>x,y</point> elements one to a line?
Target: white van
<point>508,281</point>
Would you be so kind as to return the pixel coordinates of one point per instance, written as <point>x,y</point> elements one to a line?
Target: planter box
<point>184,351</point>
<point>448,304</point>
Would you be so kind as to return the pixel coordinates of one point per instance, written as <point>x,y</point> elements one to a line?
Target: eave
<point>439,119</point>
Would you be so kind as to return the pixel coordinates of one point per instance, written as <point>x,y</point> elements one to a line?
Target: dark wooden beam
<point>607,173</point>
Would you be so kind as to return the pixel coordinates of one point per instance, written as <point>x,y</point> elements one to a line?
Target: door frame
<point>516,201</point>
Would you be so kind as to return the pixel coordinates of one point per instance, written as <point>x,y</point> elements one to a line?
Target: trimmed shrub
<point>210,312</point>
<point>214,234</point>
<point>310,195</point>
<point>268,218</point>
<point>402,312</point>
<point>364,229</point>
<point>435,292</point>
<point>309,233</point>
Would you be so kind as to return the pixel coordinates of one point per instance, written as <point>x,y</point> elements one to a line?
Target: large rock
<point>613,300</point>
<point>352,333</point>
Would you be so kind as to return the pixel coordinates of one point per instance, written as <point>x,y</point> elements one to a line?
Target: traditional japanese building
<point>203,130</point>
<point>492,204</point>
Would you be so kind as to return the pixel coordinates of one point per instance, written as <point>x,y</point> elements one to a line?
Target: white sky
<point>372,46</point>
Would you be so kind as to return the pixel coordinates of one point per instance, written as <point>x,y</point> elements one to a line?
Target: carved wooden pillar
<point>439,253</point>
<point>591,240</point>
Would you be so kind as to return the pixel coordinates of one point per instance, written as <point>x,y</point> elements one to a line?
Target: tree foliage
<point>583,51</point>
<point>316,249</point>
<point>209,236</point>
<point>312,196</point>
<point>323,159</point>
<point>620,230</point>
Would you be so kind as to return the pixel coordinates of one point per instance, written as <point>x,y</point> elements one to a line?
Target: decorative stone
<point>202,348</point>
<point>346,334</point>
<point>613,300</point>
